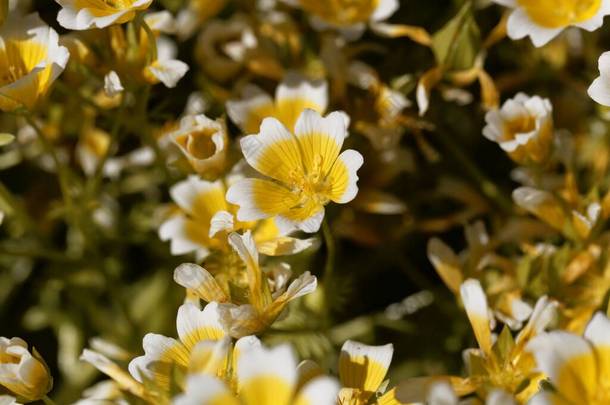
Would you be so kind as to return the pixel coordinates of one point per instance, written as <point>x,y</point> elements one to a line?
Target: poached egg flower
<point>30,60</point>
<point>578,367</point>
<point>304,170</point>
<point>265,377</point>
<point>523,128</point>
<point>543,20</point>
<point>292,96</point>
<point>203,219</point>
<point>87,14</point>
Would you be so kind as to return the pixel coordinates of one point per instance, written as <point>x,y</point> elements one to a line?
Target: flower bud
<point>523,128</point>
<point>23,373</point>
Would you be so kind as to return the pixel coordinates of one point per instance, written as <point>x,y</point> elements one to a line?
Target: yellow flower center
<point>18,58</point>
<point>560,13</point>
<point>313,185</point>
<point>198,144</point>
<point>519,125</point>
<point>6,358</point>
<point>341,12</point>
<point>118,4</point>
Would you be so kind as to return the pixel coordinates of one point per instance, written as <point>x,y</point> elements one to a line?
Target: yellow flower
<point>203,142</point>
<point>523,128</point>
<point>578,367</point>
<point>205,218</point>
<point>292,97</point>
<point>264,377</point>
<point>362,370</point>
<point>87,14</point>
<point>503,363</point>
<point>30,60</point>
<point>348,16</point>
<point>22,373</point>
<point>304,171</point>
<point>543,20</point>
<point>257,299</point>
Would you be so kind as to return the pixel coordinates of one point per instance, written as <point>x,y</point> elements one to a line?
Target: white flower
<point>203,142</point>
<point>31,60</point>
<point>22,373</point>
<point>84,15</point>
<point>166,69</point>
<point>543,20</point>
<point>523,127</point>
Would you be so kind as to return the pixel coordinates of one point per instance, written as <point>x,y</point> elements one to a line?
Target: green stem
<point>329,241</point>
<point>329,267</point>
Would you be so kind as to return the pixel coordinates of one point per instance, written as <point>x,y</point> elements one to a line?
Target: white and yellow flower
<point>523,127</point>
<point>166,68</point>
<point>362,370</point>
<point>304,171</point>
<point>543,20</point>
<point>268,295</point>
<point>348,17</point>
<point>25,375</point>
<point>203,142</point>
<point>578,367</point>
<point>292,96</point>
<point>264,377</point>
<point>30,60</point>
<point>599,90</point>
<point>87,14</point>
<point>202,348</point>
<point>163,354</point>
<point>204,218</point>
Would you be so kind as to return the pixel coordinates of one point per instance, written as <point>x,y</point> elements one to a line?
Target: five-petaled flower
<point>304,171</point>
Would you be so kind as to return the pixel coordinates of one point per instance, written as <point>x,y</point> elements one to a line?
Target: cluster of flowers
<point>241,209</point>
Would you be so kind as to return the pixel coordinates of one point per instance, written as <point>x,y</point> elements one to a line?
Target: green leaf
<point>5,138</point>
<point>504,345</point>
<point>457,44</point>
